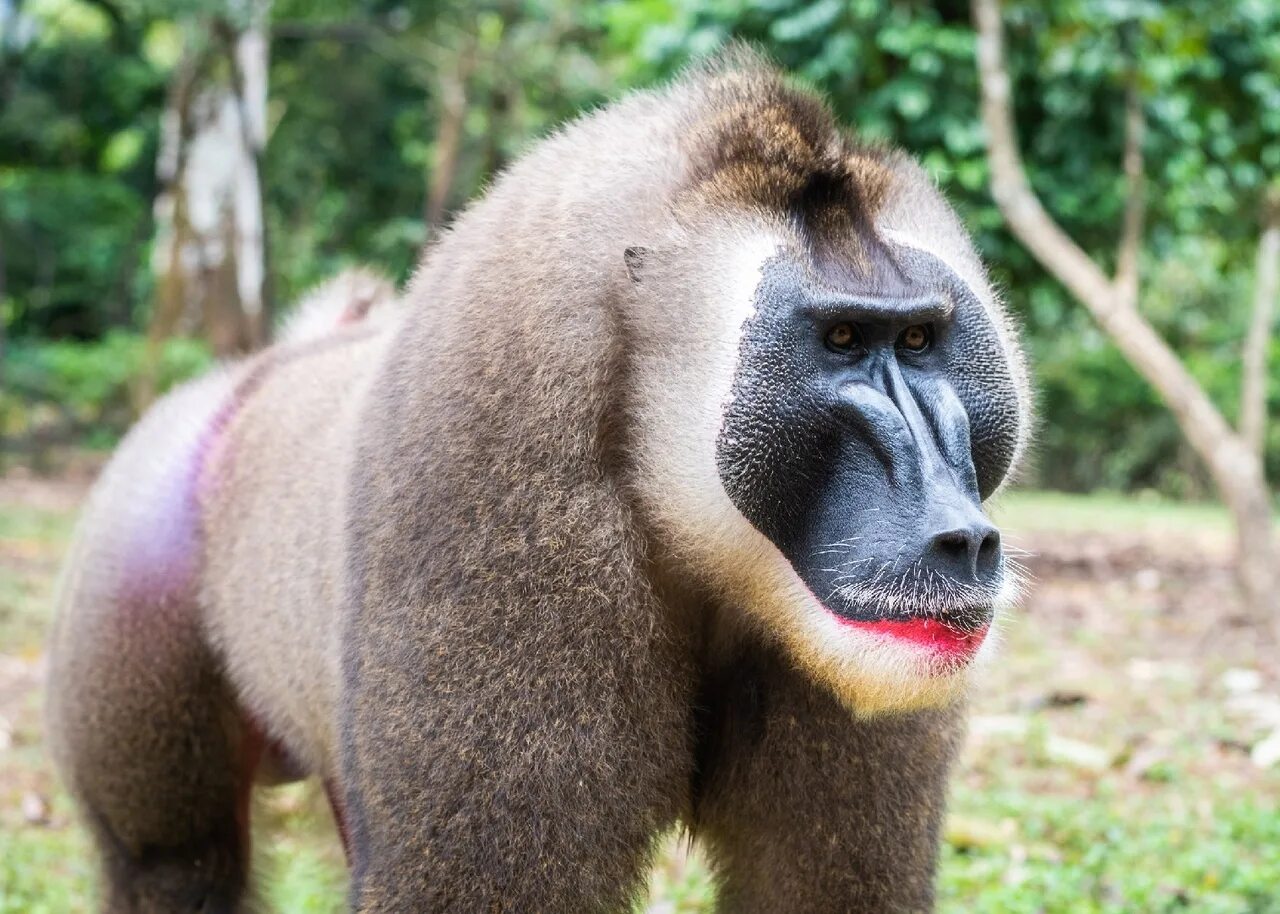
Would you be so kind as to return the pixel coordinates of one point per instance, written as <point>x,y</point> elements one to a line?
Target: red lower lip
<point>928,633</point>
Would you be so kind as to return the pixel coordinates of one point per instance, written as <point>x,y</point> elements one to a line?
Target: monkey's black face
<point>866,426</point>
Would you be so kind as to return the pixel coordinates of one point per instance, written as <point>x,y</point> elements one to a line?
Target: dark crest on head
<point>765,145</point>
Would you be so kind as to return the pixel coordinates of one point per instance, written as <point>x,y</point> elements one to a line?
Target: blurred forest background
<point>367,124</point>
<point>174,174</point>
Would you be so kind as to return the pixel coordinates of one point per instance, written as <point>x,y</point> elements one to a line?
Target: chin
<point>884,667</point>
<point>878,666</point>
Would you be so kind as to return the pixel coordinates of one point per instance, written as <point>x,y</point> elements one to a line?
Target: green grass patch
<point>1106,512</point>
<point>23,525</point>
<point>1114,852</point>
<point>32,543</point>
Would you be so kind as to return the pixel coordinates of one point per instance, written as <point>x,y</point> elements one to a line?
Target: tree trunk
<point>177,124</point>
<point>1236,468</point>
<point>210,252</point>
<point>4,288</point>
<point>449,134</point>
<point>1266,286</point>
<point>249,59</point>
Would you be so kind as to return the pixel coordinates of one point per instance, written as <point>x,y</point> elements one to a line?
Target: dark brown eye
<point>915,338</point>
<point>842,337</point>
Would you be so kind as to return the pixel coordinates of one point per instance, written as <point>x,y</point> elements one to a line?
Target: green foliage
<point>85,375</point>
<point>78,129</point>
<point>85,389</point>
<point>350,157</point>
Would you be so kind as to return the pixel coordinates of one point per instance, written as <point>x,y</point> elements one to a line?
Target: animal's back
<point>276,486</point>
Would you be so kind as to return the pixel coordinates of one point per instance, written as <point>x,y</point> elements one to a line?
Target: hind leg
<point>152,748</point>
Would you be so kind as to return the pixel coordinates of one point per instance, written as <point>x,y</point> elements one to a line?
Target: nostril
<point>970,551</point>
<point>989,551</point>
<point>953,542</point>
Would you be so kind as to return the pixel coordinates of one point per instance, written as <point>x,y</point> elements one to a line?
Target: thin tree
<point>453,84</point>
<point>1233,458</point>
<point>1266,286</point>
<point>210,251</point>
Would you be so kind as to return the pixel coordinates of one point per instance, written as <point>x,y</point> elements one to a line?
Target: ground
<point>1118,758</point>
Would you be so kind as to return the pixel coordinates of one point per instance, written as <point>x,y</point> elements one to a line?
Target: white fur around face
<point>685,385</point>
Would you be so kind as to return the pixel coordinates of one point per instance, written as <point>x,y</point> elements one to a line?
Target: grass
<point>1107,769</point>
<point>1031,512</point>
<point>32,540</point>
<point>1114,852</point>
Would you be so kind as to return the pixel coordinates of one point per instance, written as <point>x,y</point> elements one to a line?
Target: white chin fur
<point>870,673</point>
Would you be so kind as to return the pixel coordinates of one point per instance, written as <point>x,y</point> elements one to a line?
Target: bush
<point>85,393</point>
